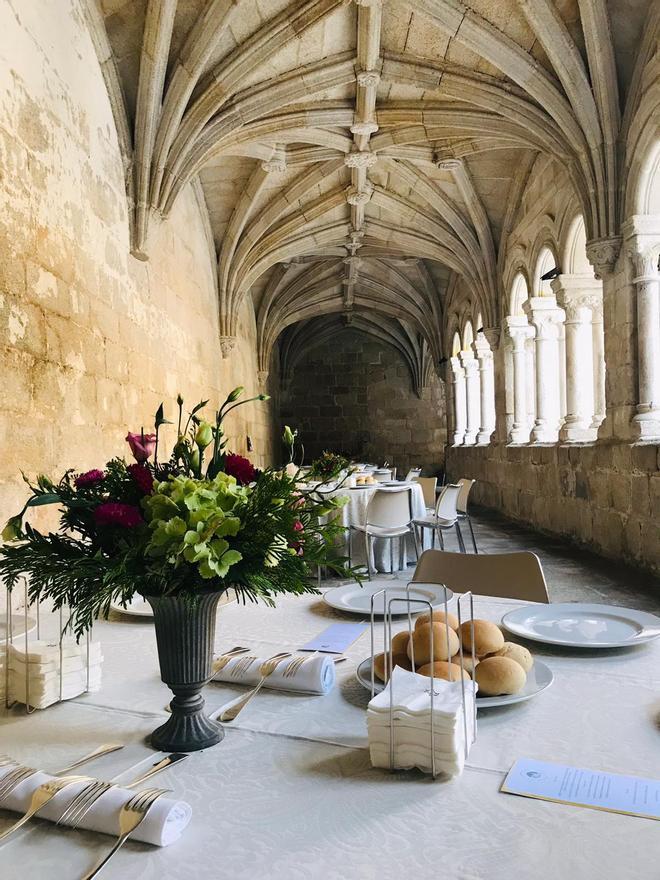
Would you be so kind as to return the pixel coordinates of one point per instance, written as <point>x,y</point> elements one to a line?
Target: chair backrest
<point>464,494</point>
<point>508,575</point>
<point>428,485</point>
<point>412,474</point>
<point>445,506</point>
<point>390,508</point>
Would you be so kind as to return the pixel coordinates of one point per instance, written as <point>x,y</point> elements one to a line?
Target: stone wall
<point>354,395</point>
<point>91,339</point>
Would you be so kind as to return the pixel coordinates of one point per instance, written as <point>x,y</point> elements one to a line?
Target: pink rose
<point>298,526</point>
<point>142,445</point>
<point>89,478</point>
<point>112,513</point>
<point>142,477</point>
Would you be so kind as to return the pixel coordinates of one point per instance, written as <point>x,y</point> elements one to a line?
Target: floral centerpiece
<point>328,465</point>
<point>180,531</point>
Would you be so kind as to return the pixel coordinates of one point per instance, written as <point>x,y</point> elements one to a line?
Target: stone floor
<point>572,574</point>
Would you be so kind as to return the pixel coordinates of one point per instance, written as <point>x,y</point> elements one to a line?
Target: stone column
<point>473,395</point>
<point>598,349</point>
<point>485,360</point>
<point>519,331</point>
<point>643,247</point>
<point>546,318</point>
<point>460,406</point>
<point>580,297</point>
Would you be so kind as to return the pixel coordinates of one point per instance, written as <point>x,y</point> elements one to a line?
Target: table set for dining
<point>290,792</point>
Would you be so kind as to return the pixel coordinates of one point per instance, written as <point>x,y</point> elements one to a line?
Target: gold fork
<point>265,670</point>
<point>225,658</point>
<point>45,793</point>
<point>131,815</point>
<point>293,666</point>
<point>242,666</point>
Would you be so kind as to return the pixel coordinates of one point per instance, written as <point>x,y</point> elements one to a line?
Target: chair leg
<point>391,541</point>
<point>461,542</point>
<point>350,547</point>
<point>415,541</point>
<point>474,543</point>
<point>366,543</point>
<point>441,539</point>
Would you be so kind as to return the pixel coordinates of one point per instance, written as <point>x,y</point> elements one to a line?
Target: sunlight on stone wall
<point>92,339</point>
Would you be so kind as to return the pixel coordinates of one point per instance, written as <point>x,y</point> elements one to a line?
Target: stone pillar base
<point>543,434</point>
<point>519,436</point>
<point>578,433</point>
<point>469,440</point>
<point>646,427</point>
<point>483,439</point>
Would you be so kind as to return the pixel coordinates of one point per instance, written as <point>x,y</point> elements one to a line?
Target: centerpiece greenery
<point>183,527</point>
<point>328,465</point>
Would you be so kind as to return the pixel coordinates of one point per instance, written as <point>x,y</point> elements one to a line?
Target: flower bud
<point>204,435</point>
<point>288,436</point>
<point>13,530</point>
<point>235,394</point>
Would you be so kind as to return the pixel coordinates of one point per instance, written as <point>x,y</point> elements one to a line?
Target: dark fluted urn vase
<point>184,635</point>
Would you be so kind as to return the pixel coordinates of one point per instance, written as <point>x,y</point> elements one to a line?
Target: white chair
<point>444,518</point>
<point>389,516</point>
<point>462,507</point>
<point>516,575</point>
<point>412,474</point>
<point>429,485</point>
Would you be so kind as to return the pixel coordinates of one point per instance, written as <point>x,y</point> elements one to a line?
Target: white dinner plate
<point>18,625</point>
<point>539,678</point>
<point>137,607</point>
<point>356,599</point>
<point>583,625</point>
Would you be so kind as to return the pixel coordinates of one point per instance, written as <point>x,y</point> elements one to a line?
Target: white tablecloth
<point>383,551</point>
<point>290,794</point>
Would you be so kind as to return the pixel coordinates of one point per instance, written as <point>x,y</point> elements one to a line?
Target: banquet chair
<point>462,507</point>
<point>428,485</point>
<point>412,475</point>
<point>517,575</point>
<point>389,516</point>
<point>444,518</point>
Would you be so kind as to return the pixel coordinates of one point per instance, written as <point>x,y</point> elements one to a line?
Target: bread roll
<point>499,675</point>
<point>397,660</point>
<point>421,641</point>
<point>442,669</point>
<point>518,653</point>
<point>400,642</point>
<point>467,661</point>
<point>488,637</point>
<point>438,617</point>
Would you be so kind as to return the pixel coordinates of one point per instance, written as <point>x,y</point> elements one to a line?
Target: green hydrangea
<point>191,520</point>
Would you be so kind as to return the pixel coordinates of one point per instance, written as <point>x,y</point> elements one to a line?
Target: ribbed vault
<point>357,156</point>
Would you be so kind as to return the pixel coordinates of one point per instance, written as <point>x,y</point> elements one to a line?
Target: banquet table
<point>355,513</point>
<point>290,793</point>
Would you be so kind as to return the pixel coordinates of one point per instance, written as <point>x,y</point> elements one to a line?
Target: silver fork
<point>131,815</point>
<point>45,793</point>
<point>87,797</point>
<point>265,670</point>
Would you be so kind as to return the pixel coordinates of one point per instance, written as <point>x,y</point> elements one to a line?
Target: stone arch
<point>574,260</point>
<point>545,261</point>
<point>519,293</point>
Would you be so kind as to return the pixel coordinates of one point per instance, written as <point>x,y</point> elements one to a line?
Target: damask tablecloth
<point>289,794</point>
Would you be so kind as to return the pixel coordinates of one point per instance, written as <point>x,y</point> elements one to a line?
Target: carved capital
<point>227,345</point>
<point>277,162</point>
<point>446,163</point>
<point>368,78</point>
<point>360,159</point>
<point>603,253</point>
<point>366,127</point>
<point>492,336</point>
<point>355,196</point>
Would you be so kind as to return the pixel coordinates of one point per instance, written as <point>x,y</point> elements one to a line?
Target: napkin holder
<point>61,656</point>
<point>388,604</point>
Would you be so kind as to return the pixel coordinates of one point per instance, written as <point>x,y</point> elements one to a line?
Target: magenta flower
<point>239,467</point>
<point>113,513</point>
<point>89,478</point>
<point>298,526</point>
<point>142,477</point>
<point>142,445</point>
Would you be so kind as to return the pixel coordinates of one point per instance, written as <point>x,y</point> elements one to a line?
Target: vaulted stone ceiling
<point>357,156</point>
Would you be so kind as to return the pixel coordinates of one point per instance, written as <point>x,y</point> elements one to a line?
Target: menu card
<point>335,638</point>
<point>613,792</point>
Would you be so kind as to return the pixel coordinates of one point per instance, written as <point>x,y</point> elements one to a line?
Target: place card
<point>335,638</point>
<point>613,792</point>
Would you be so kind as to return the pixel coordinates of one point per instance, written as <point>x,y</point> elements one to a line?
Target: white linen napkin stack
<point>43,668</point>
<point>316,675</point>
<point>163,824</point>
<point>411,723</point>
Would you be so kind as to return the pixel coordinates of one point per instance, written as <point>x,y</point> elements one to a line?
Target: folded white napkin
<point>409,723</point>
<point>163,824</point>
<point>47,654</point>
<point>317,675</point>
<point>44,692</point>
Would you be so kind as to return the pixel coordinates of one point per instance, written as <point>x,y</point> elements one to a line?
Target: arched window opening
<point>545,263</point>
<point>519,294</point>
<point>519,365</point>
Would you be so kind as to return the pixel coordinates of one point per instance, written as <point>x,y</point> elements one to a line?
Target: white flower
<point>274,554</point>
